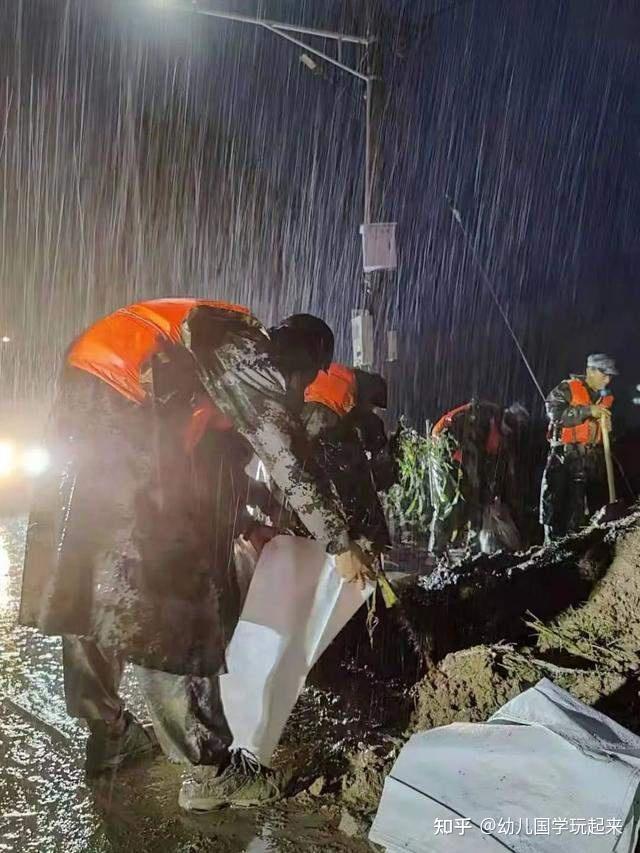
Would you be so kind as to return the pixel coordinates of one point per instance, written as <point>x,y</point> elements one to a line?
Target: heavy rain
<point>231,150</point>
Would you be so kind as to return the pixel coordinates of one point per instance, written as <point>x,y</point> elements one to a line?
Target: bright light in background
<point>35,461</point>
<point>7,458</point>
<point>6,339</point>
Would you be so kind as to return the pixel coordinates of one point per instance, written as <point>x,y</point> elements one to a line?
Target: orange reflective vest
<point>117,348</point>
<point>446,420</point>
<point>588,432</point>
<point>494,438</point>
<point>335,388</point>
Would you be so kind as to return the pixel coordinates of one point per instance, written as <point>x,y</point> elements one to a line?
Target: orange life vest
<point>494,438</point>
<point>117,347</point>
<point>588,432</point>
<point>447,419</point>
<point>334,388</point>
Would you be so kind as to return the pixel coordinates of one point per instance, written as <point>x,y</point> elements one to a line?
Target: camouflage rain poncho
<point>130,540</point>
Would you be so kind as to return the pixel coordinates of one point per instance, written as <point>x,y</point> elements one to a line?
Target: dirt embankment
<point>478,634</point>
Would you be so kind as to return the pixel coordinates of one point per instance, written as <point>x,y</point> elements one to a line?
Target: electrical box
<point>362,336</point>
<point>379,246</point>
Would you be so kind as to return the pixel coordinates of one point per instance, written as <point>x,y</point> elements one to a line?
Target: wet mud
<point>47,805</point>
<point>465,639</point>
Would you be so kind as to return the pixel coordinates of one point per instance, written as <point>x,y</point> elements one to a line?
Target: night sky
<point>144,153</point>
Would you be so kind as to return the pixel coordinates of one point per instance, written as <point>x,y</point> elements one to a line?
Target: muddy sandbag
<point>499,532</point>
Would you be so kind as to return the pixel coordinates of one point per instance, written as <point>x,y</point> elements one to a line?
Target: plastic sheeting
<point>546,773</point>
<point>296,605</point>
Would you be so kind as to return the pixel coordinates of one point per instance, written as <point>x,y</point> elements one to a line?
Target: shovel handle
<point>606,443</point>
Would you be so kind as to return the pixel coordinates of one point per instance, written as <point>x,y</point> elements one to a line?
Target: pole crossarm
<point>325,34</point>
<point>282,25</point>
<point>283,29</point>
<point>334,35</point>
<point>354,72</point>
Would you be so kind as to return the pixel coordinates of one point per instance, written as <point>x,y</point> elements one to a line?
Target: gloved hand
<point>355,566</point>
<point>259,535</point>
<point>600,413</point>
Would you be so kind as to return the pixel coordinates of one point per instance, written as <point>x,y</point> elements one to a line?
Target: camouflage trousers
<point>186,710</point>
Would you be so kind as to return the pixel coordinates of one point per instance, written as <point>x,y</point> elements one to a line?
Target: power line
<point>485,277</point>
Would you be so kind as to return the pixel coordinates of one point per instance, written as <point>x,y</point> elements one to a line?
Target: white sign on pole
<point>362,335</point>
<point>379,246</point>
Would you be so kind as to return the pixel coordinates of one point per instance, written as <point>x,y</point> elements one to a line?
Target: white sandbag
<point>555,709</point>
<point>296,605</point>
<point>499,530</point>
<point>245,559</point>
<point>547,774</point>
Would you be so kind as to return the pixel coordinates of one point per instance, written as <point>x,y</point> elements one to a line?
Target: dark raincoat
<point>475,468</point>
<point>130,539</point>
<point>574,483</point>
<point>339,447</point>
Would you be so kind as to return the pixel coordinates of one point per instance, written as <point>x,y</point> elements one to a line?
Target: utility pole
<point>374,108</point>
<point>369,13</point>
<point>367,320</point>
<point>373,188</point>
<point>375,284</point>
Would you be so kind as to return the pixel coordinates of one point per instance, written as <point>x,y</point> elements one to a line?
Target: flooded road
<point>46,804</point>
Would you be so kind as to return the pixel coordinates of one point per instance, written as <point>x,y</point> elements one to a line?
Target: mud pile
<point>465,640</point>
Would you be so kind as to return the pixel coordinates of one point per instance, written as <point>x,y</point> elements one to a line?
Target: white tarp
<point>296,605</point>
<point>547,773</point>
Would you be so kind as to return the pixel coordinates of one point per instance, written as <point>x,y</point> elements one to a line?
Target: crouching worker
<point>131,540</point>
<point>472,471</point>
<point>348,442</point>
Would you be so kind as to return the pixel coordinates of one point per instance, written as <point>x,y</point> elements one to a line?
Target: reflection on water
<point>45,802</point>
<point>4,575</point>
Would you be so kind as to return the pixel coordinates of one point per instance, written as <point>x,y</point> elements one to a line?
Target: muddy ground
<point>464,640</point>
<point>489,629</point>
<point>47,806</point>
